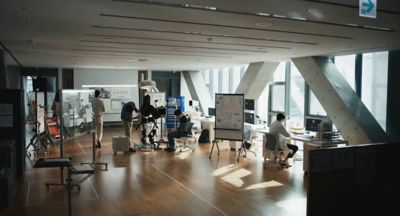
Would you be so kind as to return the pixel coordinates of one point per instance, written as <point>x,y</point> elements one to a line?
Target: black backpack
<point>204,136</point>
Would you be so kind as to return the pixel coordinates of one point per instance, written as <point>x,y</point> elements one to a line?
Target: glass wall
<point>277,92</point>
<point>223,80</point>
<point>374,84</point>
<point>288,93</point>
<point>315,107</point>
<point>296,100</point>
<point>347,66</point>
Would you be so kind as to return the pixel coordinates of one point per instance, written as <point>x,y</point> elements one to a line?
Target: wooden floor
<point>161,183</point>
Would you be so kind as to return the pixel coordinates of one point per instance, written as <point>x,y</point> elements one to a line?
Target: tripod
<point>39,138</point>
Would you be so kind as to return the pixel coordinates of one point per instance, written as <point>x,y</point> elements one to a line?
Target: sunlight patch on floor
<point>235,177</point>
<point>293,205</point>
<point>223,170</point>
<point>183,155</point>
<point>262,185</point>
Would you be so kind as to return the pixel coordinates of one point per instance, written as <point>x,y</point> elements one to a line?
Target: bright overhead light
<point>147,84</point>
<point>105,86</point>
<point>263,14</point>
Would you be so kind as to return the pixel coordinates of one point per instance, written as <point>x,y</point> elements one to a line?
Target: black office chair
<point>185,139</point>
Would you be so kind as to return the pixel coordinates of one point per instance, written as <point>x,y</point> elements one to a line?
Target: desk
<point>318,144</point>
<point>310,143</point>
<point>208,123</point>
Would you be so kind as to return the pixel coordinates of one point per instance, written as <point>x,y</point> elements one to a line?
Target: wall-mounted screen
<point>211,111</point>
<point>249,118</point>
<point>249,104</point>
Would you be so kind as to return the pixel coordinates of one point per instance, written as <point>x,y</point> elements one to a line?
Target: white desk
<point>208,123</point>
<point>309,143</point>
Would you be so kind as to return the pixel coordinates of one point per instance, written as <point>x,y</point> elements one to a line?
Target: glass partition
<point>77,112</point>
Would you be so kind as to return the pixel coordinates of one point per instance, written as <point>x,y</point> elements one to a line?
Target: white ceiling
<point>191,34</point>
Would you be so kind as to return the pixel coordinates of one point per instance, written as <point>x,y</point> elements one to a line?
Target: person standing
<point>126,117</point>
<point>98,116</point>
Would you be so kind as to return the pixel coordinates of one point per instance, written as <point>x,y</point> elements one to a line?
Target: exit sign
<point>368,8</point>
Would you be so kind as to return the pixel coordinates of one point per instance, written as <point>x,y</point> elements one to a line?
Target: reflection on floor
<point>161,183</point>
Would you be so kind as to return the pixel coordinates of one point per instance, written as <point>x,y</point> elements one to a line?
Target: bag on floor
<point>204,136</point>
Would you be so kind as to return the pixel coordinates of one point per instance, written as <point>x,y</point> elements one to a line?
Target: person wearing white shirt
<point>98,115</point>
<point>278,128</point>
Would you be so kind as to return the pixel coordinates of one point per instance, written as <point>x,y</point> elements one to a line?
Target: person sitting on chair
<point>278,128</point>
<point>181,130</point>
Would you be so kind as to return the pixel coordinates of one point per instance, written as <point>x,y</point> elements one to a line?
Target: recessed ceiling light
<point>262,14</point>
<point>263,24</point>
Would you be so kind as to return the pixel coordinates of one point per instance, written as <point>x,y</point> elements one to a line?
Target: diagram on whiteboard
<point>229,111</point>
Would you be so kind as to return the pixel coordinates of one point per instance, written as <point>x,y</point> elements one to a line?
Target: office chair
<point>185,139</point>
<point>271,146</point>
<point>249,137</point>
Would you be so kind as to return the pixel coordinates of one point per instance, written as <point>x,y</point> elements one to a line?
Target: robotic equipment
<point>149,115</point>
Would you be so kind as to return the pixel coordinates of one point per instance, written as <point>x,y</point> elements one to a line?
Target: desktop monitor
<point>211,111</point>
<point>249,104</point>
<point>313,124</point>
<point>249,118</point>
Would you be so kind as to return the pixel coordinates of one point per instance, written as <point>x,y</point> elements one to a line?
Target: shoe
<point>284,164</point>
<point>170,149</point>
<point>234,149</point>
<point>132,150</point>
<point>98,144</point>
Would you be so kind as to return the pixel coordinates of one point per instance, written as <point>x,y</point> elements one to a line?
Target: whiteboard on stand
<point>229,117</point>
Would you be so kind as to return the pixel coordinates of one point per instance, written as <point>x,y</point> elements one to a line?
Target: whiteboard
<point>159,96</point>
<point>229,116</point>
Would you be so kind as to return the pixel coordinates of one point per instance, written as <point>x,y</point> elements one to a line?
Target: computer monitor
<point>249,118</point>
<point>211,111</point>
<point>313,124</point>
<point>249,104</point>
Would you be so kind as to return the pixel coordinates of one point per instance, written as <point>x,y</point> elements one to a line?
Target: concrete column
<point>198,90</point>
<point>3,77</point>
<point>343,106</point>
<point>256,78</point>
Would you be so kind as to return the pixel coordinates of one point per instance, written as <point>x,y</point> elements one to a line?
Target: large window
<point>224,77</point>
<point>347,67</point>
<point>315,107</point>
<point>277,92</point>
<point>279,74</point>
<point>374,84</point>
<point>223,80</point>
<point>296,100</point>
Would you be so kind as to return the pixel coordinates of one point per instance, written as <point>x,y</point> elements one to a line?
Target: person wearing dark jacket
<point>181,130</point>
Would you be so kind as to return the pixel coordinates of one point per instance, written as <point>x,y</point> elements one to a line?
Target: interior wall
<point>393,104</point>
<point>13,77</point>
<point>83,76</point>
